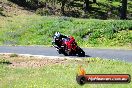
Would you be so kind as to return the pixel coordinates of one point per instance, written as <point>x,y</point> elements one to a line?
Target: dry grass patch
<point>23,61</point>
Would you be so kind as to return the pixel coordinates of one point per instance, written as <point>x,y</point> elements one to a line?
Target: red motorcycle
<point>69,47</point>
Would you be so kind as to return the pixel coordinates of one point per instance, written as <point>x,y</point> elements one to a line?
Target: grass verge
<point>38,30</point>
<point>50,73</point>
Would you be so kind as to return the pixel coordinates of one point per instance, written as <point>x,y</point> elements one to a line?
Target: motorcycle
<point>68,47</point>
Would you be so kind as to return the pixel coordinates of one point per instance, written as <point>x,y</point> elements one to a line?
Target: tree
<point>86,3</point>
<point>63,2</point>
<point>123,9</point>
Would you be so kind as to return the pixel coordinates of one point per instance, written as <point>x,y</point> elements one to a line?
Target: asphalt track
<point>123,55</point>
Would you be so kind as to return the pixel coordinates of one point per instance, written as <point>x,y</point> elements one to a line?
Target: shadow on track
<point>87,56</point>
<point>79,56</point>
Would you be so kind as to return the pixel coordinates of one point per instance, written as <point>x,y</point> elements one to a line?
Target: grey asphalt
<point>123,55</point>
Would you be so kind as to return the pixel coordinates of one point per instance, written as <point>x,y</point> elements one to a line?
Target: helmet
<point>57,34</point>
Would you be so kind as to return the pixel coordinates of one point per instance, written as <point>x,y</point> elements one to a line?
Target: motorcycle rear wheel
<point>80,52</point>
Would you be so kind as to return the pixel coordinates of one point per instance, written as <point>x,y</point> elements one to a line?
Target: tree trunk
<point>94,1</point>
<point>63,2</point>
<point>123,9</point>
<point>86,5</point>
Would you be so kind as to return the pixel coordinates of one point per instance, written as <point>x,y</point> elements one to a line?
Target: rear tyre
<point>81,53</point>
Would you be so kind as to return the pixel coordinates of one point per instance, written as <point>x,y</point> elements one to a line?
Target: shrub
<point>43,11</point>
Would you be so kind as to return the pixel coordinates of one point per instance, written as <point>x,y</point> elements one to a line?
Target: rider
<point>59,35</point>
<point>58,38</point>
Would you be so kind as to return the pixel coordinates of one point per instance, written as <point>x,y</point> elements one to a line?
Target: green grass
<point>62,75</point>
<point>38,30</point>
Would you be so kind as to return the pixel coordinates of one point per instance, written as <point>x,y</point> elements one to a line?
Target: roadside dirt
<point>31,61</point>
<point>15,61</point>
<point>11,9</point>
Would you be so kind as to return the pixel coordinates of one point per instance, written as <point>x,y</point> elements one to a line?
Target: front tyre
<point>62,51</point>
